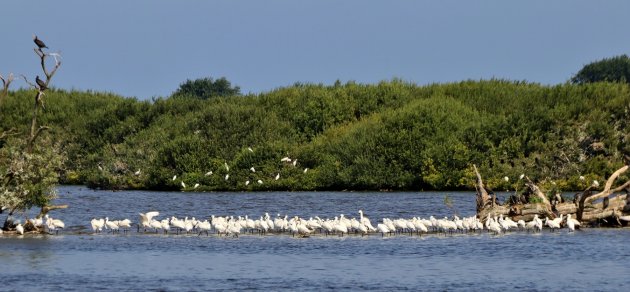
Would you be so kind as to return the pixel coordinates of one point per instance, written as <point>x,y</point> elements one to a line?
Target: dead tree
<point>41,85</point>
<point>614,209</point>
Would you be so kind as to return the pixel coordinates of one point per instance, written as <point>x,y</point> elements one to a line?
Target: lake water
<point>590,259</point>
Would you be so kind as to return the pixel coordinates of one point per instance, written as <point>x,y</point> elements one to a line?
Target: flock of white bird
<point>286,160</point>
<point>339,225</point>
<point>50,224</point>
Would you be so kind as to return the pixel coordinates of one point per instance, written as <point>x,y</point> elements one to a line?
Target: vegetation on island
<point>393,135</point>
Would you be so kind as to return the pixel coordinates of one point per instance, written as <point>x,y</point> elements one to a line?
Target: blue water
<point>591,259</point>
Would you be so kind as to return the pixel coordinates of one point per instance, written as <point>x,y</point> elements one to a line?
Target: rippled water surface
<point>591,259</point>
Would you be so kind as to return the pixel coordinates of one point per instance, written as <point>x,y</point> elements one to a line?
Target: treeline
<point>388,136</point>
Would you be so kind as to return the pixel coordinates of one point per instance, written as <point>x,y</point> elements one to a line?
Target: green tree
<point>615,69</point>
<point>31,165</point>
<point>205,88</point>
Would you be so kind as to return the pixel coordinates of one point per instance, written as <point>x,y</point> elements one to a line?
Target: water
<point>592,259</point>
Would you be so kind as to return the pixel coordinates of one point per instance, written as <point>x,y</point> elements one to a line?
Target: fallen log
<point>613,209</point>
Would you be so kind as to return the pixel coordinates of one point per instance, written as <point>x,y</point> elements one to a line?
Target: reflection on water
<point>515,261</point>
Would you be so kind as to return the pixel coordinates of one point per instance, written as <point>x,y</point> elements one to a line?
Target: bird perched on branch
<point>41,83</point>
<point>40,44</point>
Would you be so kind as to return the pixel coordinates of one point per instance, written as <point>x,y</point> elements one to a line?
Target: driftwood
<point>613,209</point>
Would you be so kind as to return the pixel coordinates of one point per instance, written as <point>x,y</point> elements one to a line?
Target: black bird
<point>39,43</point>
<point>42,84</point>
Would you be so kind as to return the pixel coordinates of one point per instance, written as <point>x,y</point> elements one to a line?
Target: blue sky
<point>146,48</point>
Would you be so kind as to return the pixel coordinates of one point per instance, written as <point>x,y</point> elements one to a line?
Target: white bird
<point>227,176</point>
<point>571,223</point>
<point>305,170</point>
<point>209,173</point>
<point>521,176</point>
<point>125,224</point>
<point>246,183</point>
<point>285,159</point>
<point>19,228</point>
<point>196,186</point>
<point>259,182</point>
<point>250,149</point>
<point>54,224</point>
<point>183,185</point>
<point>226,166</point>
<point>277,176</point>
<point>112,225</point>
<point>582,177</point>
<point>174,177</point>
<point>252,169</point>
<point>294,162</point>
<point>382,228</point>
<point>97,224</point>
<point>595,183</point>
<point>137,172</point>
<point>145,219</point>
<point>552,224</point>
<point>506,178</point>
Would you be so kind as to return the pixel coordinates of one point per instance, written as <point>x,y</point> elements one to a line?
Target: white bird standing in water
<point>571,223</point>
<point>145,219</point>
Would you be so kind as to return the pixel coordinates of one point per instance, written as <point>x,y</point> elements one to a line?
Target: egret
<point>521,176</point>
<point>183,185</point>
<point>196,186</point>
<point>285,159</point>
<point>506,179</point>
<point>305,170</point>
<point>259,182</point>
<point>582,177</point>
<point>294,162</point>
<point>209,173</point>
<point>252,169</point>
<point>277,176</point>
<point>137,172</point>
<point>246,183</point>
<point>174,177</point>
<point>250,149</point>
<point>227,176</point>
<point>226,166</point>
<point>19,228</point>
<point>596,183</point>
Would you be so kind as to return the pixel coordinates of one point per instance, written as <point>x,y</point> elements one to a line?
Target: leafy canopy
<point>205,88</point>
